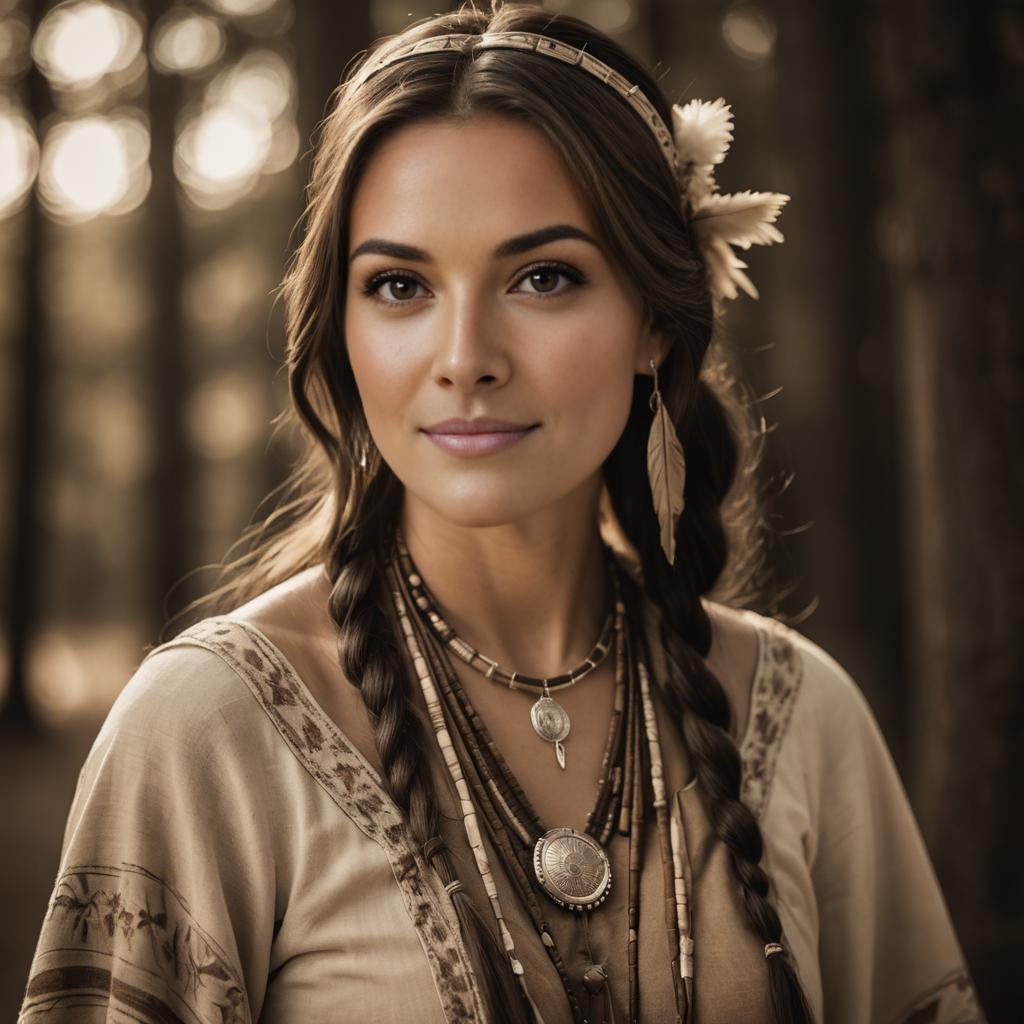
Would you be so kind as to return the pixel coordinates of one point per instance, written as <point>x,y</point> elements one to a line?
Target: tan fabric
<point>230,857</point>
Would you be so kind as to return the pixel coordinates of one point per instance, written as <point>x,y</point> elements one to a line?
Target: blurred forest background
<point>152,163</point>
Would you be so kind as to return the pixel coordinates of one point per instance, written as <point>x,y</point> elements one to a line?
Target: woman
<point>403,781</point>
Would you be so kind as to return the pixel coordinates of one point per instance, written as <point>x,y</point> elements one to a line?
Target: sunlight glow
<point>246,128</point>
<point>261,84</point>
<point>78,43</point>
<point>284,148</point>
<point>75,674</point>
<point>187,42</point>
<point>19,160</point>
<point>224,293</point>
<point>14,45</point>
<point>750,33</point>
<point>225,416</point>
<point>611,16</point>
<point>241,8</point>
<point>94,165</point>
<point>219,155</point>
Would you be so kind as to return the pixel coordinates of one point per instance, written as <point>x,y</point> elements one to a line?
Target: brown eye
<point>544,280</point>
<point>550,280</point>
<point>400,288</point>
<point>392,289</point>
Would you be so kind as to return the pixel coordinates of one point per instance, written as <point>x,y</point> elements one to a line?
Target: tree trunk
<point>30,365</point>
<point>327,37</point>
<point>173,467</point>
<point>954,230</point>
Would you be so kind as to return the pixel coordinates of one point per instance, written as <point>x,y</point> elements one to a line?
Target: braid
<point>696,697</point>
<point>369,655</point>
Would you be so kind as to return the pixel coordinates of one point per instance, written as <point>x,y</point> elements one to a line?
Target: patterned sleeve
<point>163,906</point>
<point>888,951</point>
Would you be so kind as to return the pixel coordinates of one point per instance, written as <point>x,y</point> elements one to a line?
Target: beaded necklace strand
<point>570,867</point>
<point>549,719</point>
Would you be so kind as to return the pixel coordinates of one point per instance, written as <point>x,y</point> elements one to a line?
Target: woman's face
<point>479,286</point>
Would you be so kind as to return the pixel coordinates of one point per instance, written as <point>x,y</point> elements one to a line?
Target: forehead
<point>485,178</point>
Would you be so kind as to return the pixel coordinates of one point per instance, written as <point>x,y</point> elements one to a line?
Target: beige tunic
<point>230,856</point>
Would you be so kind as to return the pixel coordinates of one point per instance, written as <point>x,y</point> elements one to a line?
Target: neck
<point>531,594</point>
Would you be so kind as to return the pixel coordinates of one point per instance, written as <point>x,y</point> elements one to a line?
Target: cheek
<point>595,368</point>
<point>378,367</point>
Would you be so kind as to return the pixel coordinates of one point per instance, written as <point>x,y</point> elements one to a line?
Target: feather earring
<point>666,468</point>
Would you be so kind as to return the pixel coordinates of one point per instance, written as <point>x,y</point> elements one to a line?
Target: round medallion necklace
<point>549,719</point>
<point>572,868</point>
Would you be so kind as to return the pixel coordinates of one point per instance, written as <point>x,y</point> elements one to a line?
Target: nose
<point>469,352</point>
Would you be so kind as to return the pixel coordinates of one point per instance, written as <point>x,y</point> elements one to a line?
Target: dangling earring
<point>666,467</point>
<point>363,451</point>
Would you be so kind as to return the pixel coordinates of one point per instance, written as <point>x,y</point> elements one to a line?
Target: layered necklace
<point>549,719</point>
<point>567,866</point>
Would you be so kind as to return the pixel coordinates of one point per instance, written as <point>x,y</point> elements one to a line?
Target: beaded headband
<point>699,140</point>
<point>547,47</point>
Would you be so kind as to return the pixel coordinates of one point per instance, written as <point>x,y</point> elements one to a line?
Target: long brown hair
<point>341,514</point>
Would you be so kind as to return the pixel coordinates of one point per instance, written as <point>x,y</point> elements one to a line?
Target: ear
<point>652,344</point>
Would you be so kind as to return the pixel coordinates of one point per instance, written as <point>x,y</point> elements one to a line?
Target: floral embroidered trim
<point>952,1001</point>
<point>121,936</point>
<point>777,683</point>
<point>354,785</point>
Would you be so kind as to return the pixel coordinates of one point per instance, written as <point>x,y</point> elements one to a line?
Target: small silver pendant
<point>551,723</point>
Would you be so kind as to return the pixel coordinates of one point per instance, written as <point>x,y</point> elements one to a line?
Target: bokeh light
<point>14,45</point>
<point>241,8</point>
<point>219,156</point>
<point>94,165</point>
<point>186,43</point>
<point>245,128</point>
<point>226,415</point>
<point>113,429</point>
<point>78,43</point>
<point>284,147</point>
<point>750,33</point>
<point>19,158</point>
<point>261,84</point>
<point>225,294</point>
<point>611,16</point>
<point>76,674</point>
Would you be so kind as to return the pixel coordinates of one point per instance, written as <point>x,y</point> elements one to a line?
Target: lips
<point>480,425</point>
<point>477,437</point>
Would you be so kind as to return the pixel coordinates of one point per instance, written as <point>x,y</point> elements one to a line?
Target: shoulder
<point>294,616</point>
<point>292,606</point>
<point>733,658</point>
<point>828,692</point>
<point>294,629</point>
<point>797,678</point>
<point>180,691</point>
<point>808,725</point>
<point>193,696</point>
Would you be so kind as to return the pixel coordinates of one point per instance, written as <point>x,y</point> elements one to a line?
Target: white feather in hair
<point>703,134</point>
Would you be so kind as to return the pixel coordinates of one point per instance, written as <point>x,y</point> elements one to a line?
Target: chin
<point>504,498</point>
<point>483,510</point>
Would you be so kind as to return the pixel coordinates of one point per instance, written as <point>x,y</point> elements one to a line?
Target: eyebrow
<point>510,247</point>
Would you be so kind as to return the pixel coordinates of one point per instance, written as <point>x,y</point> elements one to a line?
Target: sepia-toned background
<point>152,164</point>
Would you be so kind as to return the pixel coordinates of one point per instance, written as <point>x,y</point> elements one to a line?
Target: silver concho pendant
<point>572,869</point>
<point>551,723</point>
